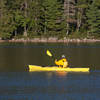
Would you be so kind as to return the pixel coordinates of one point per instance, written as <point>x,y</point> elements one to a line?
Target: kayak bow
<point>55,68</point>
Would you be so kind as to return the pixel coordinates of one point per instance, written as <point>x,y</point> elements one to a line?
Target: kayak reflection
<point>62,74</point>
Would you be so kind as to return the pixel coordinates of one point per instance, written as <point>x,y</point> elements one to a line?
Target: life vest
<point>60,62</point>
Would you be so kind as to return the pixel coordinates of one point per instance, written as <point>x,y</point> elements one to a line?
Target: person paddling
<point>62,62</point>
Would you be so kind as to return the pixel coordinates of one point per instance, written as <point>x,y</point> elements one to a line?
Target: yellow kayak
<point>55,68</point>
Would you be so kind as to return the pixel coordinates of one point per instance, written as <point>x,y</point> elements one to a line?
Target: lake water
<point>16,83</point>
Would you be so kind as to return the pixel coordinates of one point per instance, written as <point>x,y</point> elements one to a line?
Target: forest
<point>49,18</point>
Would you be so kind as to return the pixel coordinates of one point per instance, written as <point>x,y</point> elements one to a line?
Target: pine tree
<point>5,21</point>
<point>25,16</point>
<point>93,18</point>
<point>53,18</point>
<point>69,13</point>
<point>82,5</point>
<point>35,13</point>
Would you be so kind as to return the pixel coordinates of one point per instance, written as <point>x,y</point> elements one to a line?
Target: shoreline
<point>52,40</point>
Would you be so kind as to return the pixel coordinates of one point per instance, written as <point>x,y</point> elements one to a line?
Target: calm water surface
<point>16,83</point>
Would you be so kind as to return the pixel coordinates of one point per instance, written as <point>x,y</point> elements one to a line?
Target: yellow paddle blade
<point>49,53</point>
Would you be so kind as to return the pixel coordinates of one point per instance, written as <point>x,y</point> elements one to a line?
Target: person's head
<point>63,56</point>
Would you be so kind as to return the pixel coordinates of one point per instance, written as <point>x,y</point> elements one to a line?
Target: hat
<point>63,56</point>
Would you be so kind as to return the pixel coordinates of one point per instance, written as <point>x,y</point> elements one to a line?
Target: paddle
<point>49,53</point>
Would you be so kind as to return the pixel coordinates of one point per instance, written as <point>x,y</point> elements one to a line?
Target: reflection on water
<point>62,74</point>
<point>49,86</point>
<point>59,74</point>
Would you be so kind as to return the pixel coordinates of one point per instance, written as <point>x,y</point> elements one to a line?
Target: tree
<point>35,15</point>
<point>93,18</point>
<point>5,21</point>
<point>57,18</point>
<point>81,7</point>
<point>69,13</point>
<point>53,17</point>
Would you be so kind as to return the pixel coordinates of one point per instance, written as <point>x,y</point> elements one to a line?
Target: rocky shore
<point>52,40</point>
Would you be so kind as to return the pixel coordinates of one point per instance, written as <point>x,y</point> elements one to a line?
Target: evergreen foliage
<point>30,18</point>
<point>93,18</point>
<point>53,18</point>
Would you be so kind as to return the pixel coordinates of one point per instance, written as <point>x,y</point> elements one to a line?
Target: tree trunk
<point>25,28</point>
<point>1,10</point>
<point>66,14</point>
<point>25,31</point>
<point>15,33</point>
<point>67,18</point>
<point>79,19</point>
<point>69,13</point>
<point>45,25</point>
